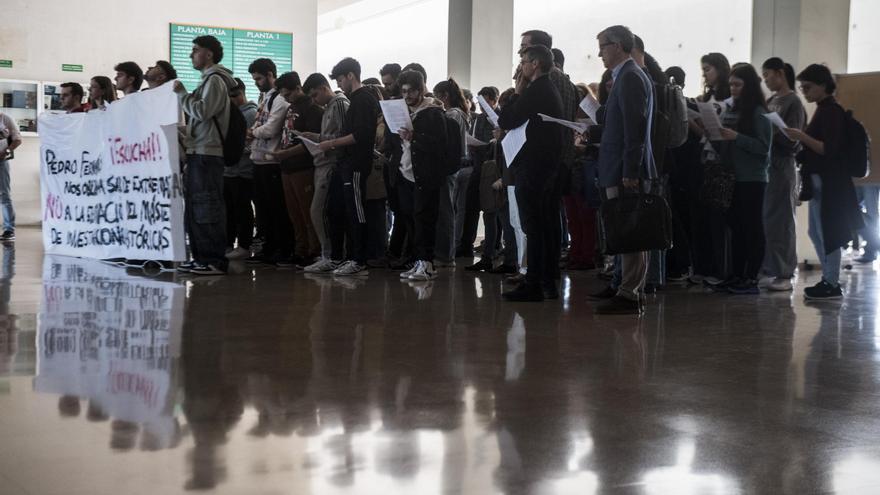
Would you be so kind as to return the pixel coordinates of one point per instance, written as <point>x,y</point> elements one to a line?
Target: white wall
<point>40,35</point>
<point>676,32</point>
<point>864,44</point>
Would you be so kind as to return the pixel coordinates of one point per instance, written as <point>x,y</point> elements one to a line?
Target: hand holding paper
<point>777,121</point>
<point>513,142</point>
<point>711,122</point>
<point>472,141</point>
<point>489,111</point>
<point>396,115</point>
<point>590,107</point>
<point>578,127</point>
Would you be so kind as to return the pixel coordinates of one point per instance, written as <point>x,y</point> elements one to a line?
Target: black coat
<point>428,147</point>
<point>540,156</point>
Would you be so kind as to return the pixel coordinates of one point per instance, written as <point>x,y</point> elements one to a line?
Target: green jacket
<point>750,156</point>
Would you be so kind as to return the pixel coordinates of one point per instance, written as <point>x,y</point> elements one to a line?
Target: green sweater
<point>749,156</point>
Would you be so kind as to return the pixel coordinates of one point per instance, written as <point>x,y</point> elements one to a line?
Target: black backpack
<point>858,148</point>
<point>234,141</point>
<point>453,145</point>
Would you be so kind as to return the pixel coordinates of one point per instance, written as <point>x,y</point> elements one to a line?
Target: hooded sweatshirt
<point>209,101</point>
<point>268,127</point>
<point>332,127</point>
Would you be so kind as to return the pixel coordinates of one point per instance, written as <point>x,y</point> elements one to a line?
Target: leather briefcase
<point>633,223</point>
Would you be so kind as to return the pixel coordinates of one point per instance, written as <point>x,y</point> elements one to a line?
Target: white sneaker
<point>765,282</point>
<point>712,280</point>
<point>780,285</point>
<point>238,253</point>
<point>351,269</point>
<point>323,265</point>
<point>409,273</point>
<point>425,271</point>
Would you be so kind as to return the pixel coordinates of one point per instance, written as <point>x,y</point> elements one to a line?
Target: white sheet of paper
<point>312,146</point>
<point>590,107</point>
<point>489,111</point>
<point>576,126</point>
<point>513,142</point>
<point>396,115</point>
<point>710,119</point>
<point>777,121</point>
<point>472,141</point>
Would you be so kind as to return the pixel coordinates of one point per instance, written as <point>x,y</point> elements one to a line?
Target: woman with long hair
<point>716,74</point>
<point>101,92</point>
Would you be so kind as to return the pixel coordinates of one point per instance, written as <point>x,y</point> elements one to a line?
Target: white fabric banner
<point>110,180</point>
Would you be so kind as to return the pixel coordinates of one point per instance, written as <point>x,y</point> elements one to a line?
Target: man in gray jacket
<point>207,108</point>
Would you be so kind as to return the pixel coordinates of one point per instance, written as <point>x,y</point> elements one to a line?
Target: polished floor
<point>271,382</point>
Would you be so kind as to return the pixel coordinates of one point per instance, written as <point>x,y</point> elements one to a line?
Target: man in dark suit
<point>625,157</point>
<point>536,172</point>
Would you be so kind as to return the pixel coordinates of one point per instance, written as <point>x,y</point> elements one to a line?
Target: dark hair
<point>505,96</point>
<point>370,81</point>
<point>211,43</point>
<point>378,91</point>
<point>603,86</point>
<point>393,70</point>
<point>263,66</point>
<point>288,80</point>
<point>315,81</point>
<point>537,37</point>
<point>750,98</point>
<point>418,68</point>
<point>75,88</point>
<point>721,91</point>
<point>776,63</point>
<point>558,58</point>
<point>490,92</point>
<point>677,73</point>
<point>820,75</point>
<point>541,54</point>
<point>346,66</point>
<point>238,89</point>
<point>411,78</point>
<point>654,70</point>
<point>132,69</point>
<point>167,68</point>
<point>620,35</point>
<point>638,43</point>
<point>468,95</point>
<point>451,89</point>
<point>108,91</point>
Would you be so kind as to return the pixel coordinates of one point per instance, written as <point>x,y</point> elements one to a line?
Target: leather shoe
<point>524,293</point>
<point>550,291</point>
<point>619,305</point>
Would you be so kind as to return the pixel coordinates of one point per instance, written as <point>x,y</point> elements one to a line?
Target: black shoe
<point>746,287</point>
<point>464,253</point>
<point>863,259</point>
<point>604,295</point>
<point>516,278</point>
<point>259,259</point>
<point>206,269</point>
<point>480,266</point>
<point>524,293</point>
<point>402,266</point>
<point>619,305</point>
<point>550,291</point>
<point>823,290</point>
<point>8,235</point>
<point>503,269</point>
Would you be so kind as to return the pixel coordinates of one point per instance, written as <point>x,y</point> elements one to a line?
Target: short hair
<point>541,54</point>
<point>620,35</point>
<point>418,68</point>
<point>131,69</point>
<point>558,58</point>
<point>315,81</point>
<point>210,43</point>
<point>411,78</point>
<point>676,73</point>
<point>505,97</point>
<point>490,92</point>
<point>538,37</point>
<point>167,68</point>
<point>238,89</point>
<point>288,80</point>
<point>346,66</point>
<point>819,74</point>
<point>75,88</point>
<point>371,81</point>
<point>263,66</point>
<point>393,70</point>
<point>638,43</point>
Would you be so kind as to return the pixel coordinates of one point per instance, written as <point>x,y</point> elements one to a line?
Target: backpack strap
<point>214,118</point>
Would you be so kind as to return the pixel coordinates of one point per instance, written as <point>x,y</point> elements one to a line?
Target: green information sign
<point>6,64</point>
<point>240,48</point>
<point>71,67</point>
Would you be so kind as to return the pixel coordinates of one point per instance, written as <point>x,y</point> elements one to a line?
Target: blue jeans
<point>830,262</point>
<point>6,208</point>
<point>205,212</point>
<point>869,201</point>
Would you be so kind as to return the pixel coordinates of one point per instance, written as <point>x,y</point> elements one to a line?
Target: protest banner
<point>110,180</point>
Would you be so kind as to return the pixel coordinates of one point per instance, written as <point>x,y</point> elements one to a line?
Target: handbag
<point>719,180</point>
<point>633,223</point>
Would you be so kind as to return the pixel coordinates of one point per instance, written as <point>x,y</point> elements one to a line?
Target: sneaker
<point>401,266</point>
<point>619,305</point>
<point>682,277</point>
<point>480,266</point>
<point>524,293</point>
<point>863,259</point>
<point>425,271</point>
<point>409,273</point>
<point>8,235</point>
<point>238,253</point>
<point>186,266</point>
<point>746,287</point>
<point>351,269</point>
<point>323,265</point>
<point>444,264</point>
<point>696,279</point>
<point>712,281</point>
<point>764,282</point>
<point>823,290</point>
<point>780,285</point>
<point>422,288</point>
<point>204,269</point>
<point>516,278</point>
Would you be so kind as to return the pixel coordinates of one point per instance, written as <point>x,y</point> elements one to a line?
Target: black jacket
<point>428,147</point>
<point>360,120</point>
<point>542,151</point>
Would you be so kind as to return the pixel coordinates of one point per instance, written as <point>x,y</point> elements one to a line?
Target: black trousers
<point>354,188</point>
<point>426,211</point>
<point>278,232</point>
<point>238,192</point>
<point>472,211</point>
<point>404,234</point>
<point>539,200</point>
<point>745,218</point>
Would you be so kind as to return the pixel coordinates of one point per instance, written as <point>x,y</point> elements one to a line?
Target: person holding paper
<point>536,171</point>
<point>238,186</point>
<point>745,149</point>
<point>780,199</point>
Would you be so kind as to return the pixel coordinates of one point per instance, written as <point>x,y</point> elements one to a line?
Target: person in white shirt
<point>10,139</point>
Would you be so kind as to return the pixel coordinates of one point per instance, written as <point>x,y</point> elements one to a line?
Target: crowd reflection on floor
<point>274,382</point>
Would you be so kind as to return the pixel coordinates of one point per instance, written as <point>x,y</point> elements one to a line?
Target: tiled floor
<point>272,382</point>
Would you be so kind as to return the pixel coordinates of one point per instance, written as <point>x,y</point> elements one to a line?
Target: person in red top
<point>71,97</point>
